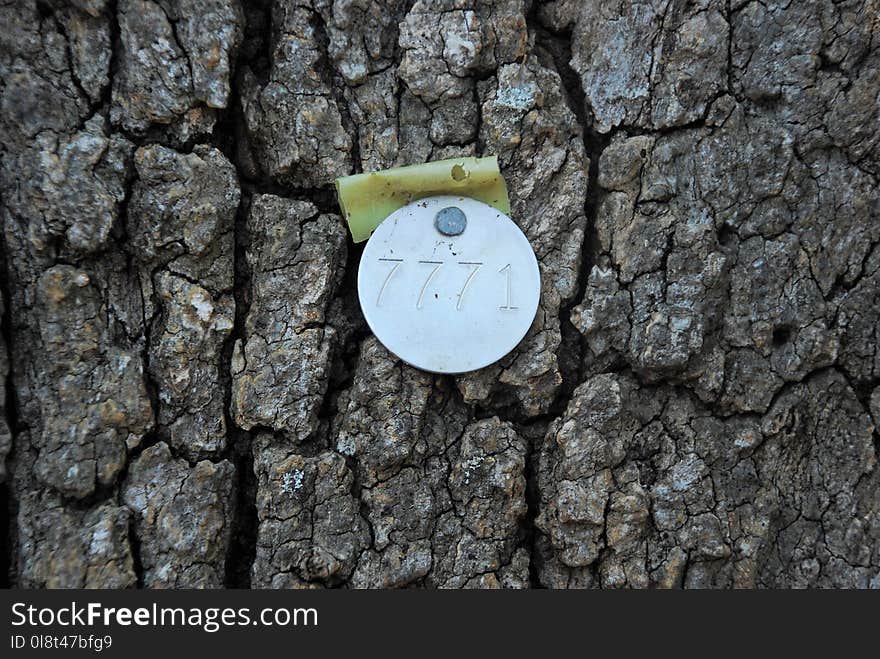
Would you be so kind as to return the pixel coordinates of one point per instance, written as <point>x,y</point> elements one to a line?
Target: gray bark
<point>190,397</point>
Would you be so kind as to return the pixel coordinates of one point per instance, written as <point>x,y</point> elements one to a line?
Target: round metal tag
<point>449,284</point>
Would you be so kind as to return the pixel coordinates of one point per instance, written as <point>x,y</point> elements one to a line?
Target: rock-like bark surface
<point>190,397</point>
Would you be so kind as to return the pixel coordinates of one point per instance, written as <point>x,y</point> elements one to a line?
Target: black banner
<point>141,623</point>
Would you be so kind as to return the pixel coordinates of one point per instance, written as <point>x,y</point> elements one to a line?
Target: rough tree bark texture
<point>189,394</point>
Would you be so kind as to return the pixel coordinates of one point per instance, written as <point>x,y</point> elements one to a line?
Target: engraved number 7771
<point>506,270</point>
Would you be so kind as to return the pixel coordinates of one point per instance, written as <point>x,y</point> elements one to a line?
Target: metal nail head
<point>450,221</point>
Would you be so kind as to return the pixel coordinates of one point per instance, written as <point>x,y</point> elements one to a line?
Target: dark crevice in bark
<point>347,352</point>
<point>134,543</point>
<point>243,543</point>
<point>572,344</point>
<point>557,45</point>
<point>230,134</point>
<point>115,48</point>
<point>242,549</point>
<point>8,503</point>
<point>225,137</point>
<point>6,540</point>
<point>533,499</point>
<point>6,500</point>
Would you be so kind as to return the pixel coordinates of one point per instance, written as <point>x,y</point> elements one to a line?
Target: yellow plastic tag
<point>367,199</point>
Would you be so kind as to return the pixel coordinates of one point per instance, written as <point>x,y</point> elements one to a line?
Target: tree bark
<point>190,397</point>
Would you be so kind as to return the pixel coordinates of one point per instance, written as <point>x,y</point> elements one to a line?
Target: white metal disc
<point>449,304</point>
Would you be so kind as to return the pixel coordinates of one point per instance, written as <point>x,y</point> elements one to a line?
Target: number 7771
<point>475,267</point>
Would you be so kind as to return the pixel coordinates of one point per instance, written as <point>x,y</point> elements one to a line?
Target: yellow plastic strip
<point>367,199</point>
